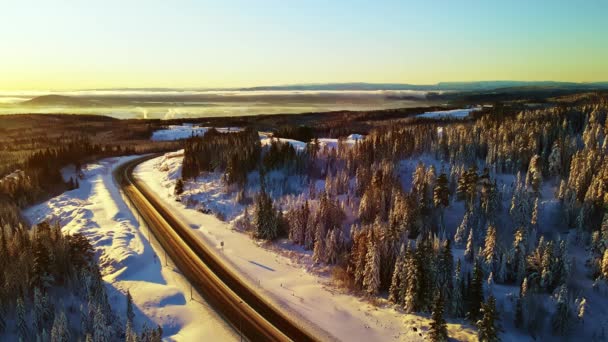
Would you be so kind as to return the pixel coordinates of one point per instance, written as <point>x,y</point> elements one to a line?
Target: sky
<point>60,45</point>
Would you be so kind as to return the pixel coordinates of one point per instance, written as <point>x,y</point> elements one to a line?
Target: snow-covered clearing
<point>284,272</point>
<point>176,132</point>
<point>454,113</point>
<point>128,259</point>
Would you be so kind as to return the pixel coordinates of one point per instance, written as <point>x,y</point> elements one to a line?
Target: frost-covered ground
<point>284,272</point>
<point>128,260</point>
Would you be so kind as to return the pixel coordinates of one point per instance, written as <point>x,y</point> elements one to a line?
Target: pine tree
<point>469,251</point>
<point>130,334</point>
<point>457,300</point>
<point>582,308</point>
<point>461,231</point>
<point>100,329</point>
<point>411,282</point>
<point>130,313</point>
<point>318,253</point>
<point>397,281</point>
<point>445,271</point>
<point>21,320</point>
<point>371,277</point>
<point>562,317</point>
<point>60,331</point>
<point>438,331</point>
<point>40,311</point>
<point>535,175</point>
<point>476,292</point>
<point>604,269</point>
<point>490,255</point>
<point>488,324</point>
<point>555,161</point>
<point>2,320</point>
<point>441,197</point>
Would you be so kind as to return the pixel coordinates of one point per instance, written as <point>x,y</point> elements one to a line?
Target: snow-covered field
<point>176,132</point>
<point>284,273</point>
<point>128,259</point>
<point>454,113</point>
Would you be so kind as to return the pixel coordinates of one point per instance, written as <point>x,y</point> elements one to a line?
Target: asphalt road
<point>248,312</point>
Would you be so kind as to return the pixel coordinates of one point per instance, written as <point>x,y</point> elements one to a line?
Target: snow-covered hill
<point>127,258</point>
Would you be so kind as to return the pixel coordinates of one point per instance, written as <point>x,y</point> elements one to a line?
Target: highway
<point>247,311</point>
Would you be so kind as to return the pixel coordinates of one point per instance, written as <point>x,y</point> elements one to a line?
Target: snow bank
<point>127,258</point>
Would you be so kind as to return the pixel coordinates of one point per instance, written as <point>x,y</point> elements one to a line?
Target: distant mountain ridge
<point>441,86</point>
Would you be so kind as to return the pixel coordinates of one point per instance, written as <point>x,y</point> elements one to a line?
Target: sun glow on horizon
<point>210,44</point>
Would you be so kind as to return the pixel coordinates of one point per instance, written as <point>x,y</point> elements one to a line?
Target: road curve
<point>238,303</point>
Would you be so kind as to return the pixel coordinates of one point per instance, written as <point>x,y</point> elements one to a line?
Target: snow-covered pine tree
<point>411,283</point>
<point>487,326</point>
<point>457,309</point>
<point>60,331</point>
<point>130,313</point>
<point>371,277</point>
<point>561,320</point>
<point>490,284</point>
<point>397,281</point>
<point>2,320</point>
<point>490,253</point>
<point>470,249</point>
<point>130,334</point>
<point>476,292</point>
<point>501,274</point>
<point>445,271</point>
<point>438,330</point>
<point>461,232</point>
<point>21,320</point>
<point>100,328</point>
<point>441,197</point>
<point>521,308</point>
<point>555,160</point>
<point>604,269</point>
<point>581,309</point>
<point>535,175</point>
<point>331,247</point>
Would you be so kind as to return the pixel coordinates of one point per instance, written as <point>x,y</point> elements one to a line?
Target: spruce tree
<point>457,299</point>
<point>130,313</point>
<point>438,331</point>
<point>487,326</point>
<point>412,283</point>
<point>469,251</point>
<point>490,255</point>
<point>60,331</point>
<point>2,320</point>
<point>476,292</point>
<point>441,197</point>
<point>394,291</point>
<point>21,320</point>
<point>561,320</point>
<point>445,271</point>
<point>371,277</point>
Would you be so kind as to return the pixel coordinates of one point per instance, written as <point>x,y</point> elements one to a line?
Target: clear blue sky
<point>180,43</point>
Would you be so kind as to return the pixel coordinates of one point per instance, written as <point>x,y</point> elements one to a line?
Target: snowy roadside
<point>127,258</point>
<point>287,283</point>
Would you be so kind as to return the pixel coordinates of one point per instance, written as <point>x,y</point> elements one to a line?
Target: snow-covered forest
<point>500,221</point>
